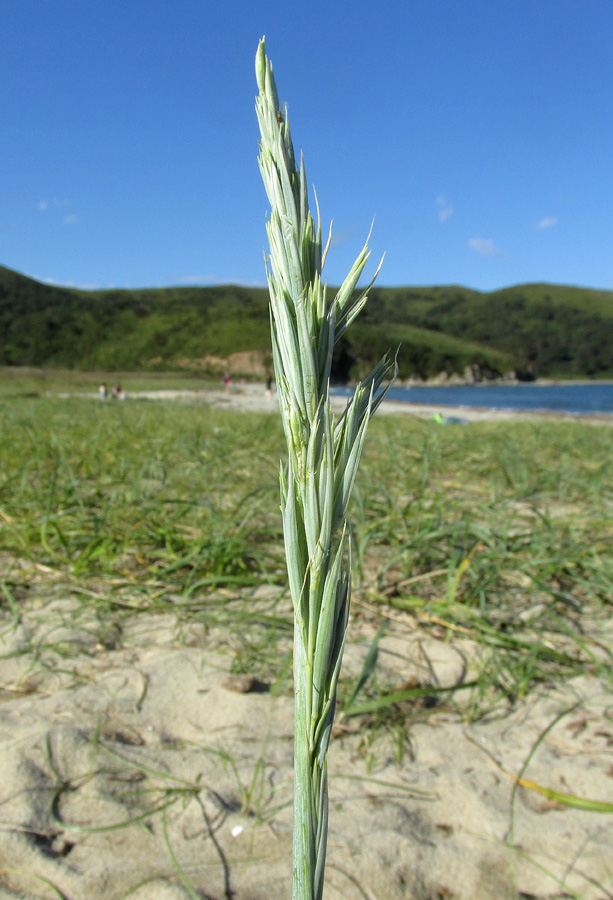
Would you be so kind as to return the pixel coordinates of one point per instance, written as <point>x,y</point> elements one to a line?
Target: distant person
<point>102,391</point>
<point>269,387</point>
<point>227,380</point>
<point>117,392</point>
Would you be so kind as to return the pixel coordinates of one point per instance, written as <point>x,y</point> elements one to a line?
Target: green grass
<point>516,519</point>
<point>498,536</point>
<point>30,382</point>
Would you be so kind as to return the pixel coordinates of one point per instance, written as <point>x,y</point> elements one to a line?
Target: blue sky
<point>478,134</point>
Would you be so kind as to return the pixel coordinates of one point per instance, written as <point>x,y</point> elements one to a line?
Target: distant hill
<point>549,330</point>
<point>535,330</point>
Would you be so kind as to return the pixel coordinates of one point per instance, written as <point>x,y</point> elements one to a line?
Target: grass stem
<point>323,458</point>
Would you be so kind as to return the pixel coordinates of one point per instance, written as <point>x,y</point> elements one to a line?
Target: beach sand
<point>148,724</point>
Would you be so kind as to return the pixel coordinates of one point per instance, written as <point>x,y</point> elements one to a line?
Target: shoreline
<point>251,397</point>
<point>538,382</point>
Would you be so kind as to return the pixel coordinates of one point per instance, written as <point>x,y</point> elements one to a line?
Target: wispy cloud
<point>484,247</point>
<point>70,220</point>
<point>340,237</point>
<point>207,280</point>
<point>81,285</point>
<point>192,279</point>
<point>445,209</point>
<point>547,223</point>
<point>55,202</point>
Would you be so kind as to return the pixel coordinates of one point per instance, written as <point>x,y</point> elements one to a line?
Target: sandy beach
<point>252,397</point>
<point>136,763</point>
<point>141,767</point>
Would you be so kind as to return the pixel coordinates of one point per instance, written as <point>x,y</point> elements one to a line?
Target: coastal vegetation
<point>495,533</point>
<point>535,331</point>
<point>119,520</point>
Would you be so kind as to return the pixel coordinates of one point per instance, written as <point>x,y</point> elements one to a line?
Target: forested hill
<point>536,330</point>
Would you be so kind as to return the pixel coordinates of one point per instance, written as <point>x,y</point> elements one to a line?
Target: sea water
<point>580,399</point>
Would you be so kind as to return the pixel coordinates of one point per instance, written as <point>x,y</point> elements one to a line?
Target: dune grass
<point>497,535</point>
<point>323,454</point>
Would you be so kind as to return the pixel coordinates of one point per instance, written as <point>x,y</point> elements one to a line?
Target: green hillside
<point>550,330</point>
<point>538,330</point>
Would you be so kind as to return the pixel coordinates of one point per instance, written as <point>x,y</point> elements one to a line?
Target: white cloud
<point>191,279</point>
<point>70,220</point>
<point>485,247</point>
<point>81,285</point>
<point>56,202</point>
<point>208,281</point>
<point>445,209</point>
<point>547,223</point>
<point>340,237</point>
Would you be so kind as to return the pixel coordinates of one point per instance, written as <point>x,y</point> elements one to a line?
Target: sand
<point>97,729</point>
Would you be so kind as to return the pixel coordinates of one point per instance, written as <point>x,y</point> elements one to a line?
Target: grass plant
<point>324,454</point>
